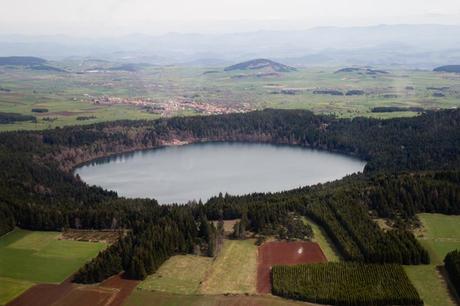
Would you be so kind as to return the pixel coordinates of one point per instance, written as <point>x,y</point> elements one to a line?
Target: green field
<point>440,235</point>
<point>65,95</point>
<point>320,237</point>
<point>234,270</point>
<point>179,274</point>
<point>28,257</point>
<point>144,297</point>
<point>11,288</point>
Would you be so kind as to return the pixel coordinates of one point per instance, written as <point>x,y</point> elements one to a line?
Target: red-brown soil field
<point>284,253</point>
<point>111,292</point>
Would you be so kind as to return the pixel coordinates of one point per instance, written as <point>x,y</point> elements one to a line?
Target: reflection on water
<point>199,171</point>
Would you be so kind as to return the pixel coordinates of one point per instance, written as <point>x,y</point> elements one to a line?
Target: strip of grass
<point>40,257</point>
<point>440,235</point>
<point>11,288</point>
<point>320,237</point>
<point>234,270</point>
<point>179,274</point>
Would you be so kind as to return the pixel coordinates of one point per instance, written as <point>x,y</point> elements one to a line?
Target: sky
<point>118,17</point>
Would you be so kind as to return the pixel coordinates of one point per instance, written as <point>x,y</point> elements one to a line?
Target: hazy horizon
<point>87,18</point>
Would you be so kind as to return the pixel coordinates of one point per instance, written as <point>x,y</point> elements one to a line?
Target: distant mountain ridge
<point>260,63</point>
<point>448,68</point>
<point>21,61</point>
<point>422,46</point>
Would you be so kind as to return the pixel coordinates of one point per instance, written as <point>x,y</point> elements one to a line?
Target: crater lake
<point>178,174</point>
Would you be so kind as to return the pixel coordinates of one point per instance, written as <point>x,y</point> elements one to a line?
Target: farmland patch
<point>234,269</point>
<point>111,292</point>
<point>345,284</point>
<point>41,257</point>
<point>284,253</point>
<point>179,274</point>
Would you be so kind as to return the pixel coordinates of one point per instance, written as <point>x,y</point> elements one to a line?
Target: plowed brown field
<point>284,253</point>
<point>111,292</point>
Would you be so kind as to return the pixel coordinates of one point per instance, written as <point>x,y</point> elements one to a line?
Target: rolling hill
<point>260,63</point>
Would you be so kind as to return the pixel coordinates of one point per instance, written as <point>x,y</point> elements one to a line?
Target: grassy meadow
<point>234,270</point>
<point>439,235</point>
<point>180,274</point>
<point>28,257</point>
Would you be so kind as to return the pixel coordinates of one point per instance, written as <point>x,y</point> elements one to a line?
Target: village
<point>171,106</point>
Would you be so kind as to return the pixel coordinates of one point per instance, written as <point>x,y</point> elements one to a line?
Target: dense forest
<point>412,166</point>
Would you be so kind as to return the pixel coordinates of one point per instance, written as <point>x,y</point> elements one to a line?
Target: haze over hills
<point>383,45</point>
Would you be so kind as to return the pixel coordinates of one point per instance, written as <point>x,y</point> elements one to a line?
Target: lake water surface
<point>198,171</point>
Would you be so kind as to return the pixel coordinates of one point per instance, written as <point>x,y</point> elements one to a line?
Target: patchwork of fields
<point>195,280</point>
<point>27,258</point>
<point>39,257</point>
<point>68,96</point>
